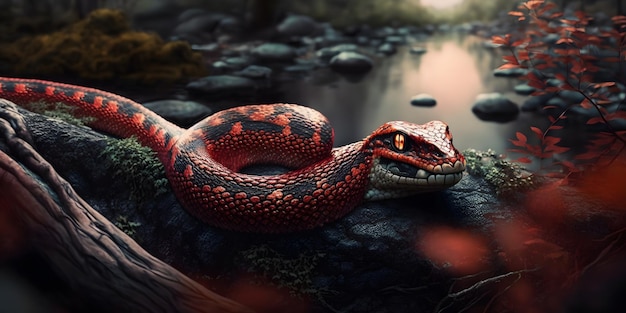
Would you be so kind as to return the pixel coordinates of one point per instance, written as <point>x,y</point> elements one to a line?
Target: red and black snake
<point>204,163</point>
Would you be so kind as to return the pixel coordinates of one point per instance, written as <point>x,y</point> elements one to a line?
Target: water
<point>454,70</point>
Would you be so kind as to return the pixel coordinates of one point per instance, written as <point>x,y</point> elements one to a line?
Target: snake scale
<point>206,163</point>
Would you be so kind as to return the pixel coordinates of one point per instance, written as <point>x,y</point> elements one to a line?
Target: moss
<point>104,47</point>
<point>136,166</point>
<point>506,176</point>
<point>127,226</point>
<point>293,274</point>
<point>59,111</point>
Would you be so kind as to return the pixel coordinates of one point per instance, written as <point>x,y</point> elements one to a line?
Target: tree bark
<point>104,267</point>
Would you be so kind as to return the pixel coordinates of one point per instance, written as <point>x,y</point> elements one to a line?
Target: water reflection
<point>455,69</point>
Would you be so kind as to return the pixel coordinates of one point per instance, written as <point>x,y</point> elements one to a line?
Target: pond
<point>454,70</point>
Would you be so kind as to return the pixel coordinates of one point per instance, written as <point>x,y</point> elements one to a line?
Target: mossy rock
<point>102,47</point>
<point>505,176</point>
<point>128,155</point>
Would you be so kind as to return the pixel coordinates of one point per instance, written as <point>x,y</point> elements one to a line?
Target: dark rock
<point>387,49</point>
<point>297,25</point>
<point>396,40</point>
<point>222,85</point>
<point>199,22</point>
<point>351,63</point>
<point>535,103</point>
<point>571,96</point>
<point>255,72</point>
<point>424,100</point>
<point>301,67</point>
<point>495,107</point>
<point>274,52</point>
<point>510,72</point>
<point>327,53</point>
<point>182,113</point>
<point>417,50</point>
<point>524,89</point>
<point>231,64</point>
<point>557,102</point>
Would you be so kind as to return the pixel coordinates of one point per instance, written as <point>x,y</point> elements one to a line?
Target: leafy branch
<point>582,59</point>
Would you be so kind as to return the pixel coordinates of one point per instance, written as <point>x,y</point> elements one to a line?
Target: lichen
<point>135,166</point>
<point>103,46</point>
<point>293,274</point>
<point>59,111</point>
<point>127,226</point>
<point>505,176</point>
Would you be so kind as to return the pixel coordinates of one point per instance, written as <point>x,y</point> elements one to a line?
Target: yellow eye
<point>398,141</point>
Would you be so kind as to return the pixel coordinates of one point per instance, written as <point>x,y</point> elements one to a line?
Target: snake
<point>208,165</point>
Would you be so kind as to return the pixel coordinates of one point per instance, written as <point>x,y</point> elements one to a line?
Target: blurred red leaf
<point>586,104</point>
<point>459,251</point>
<point>501,40</point>
<point>525,160</point>
<point>604,84</point>
<point>606,184</point>
<point>508,66</point>
<point>565,40</point>
<point>595,120</point>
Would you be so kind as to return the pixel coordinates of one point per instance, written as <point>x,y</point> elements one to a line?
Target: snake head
<point>410,159</point>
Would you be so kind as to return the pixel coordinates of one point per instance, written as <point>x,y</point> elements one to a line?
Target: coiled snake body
<point>204,163</point>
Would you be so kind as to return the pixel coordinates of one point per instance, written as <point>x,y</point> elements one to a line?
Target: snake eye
<point>399,141</point>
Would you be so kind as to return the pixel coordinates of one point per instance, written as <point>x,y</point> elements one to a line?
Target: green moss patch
<point>59,111</point>
<point>135,166</point>
<point>103,47</point>
<point>506,176</point>
<point>293,274</point>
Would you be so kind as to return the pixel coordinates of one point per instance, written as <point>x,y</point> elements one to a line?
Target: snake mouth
<point>436,176</point>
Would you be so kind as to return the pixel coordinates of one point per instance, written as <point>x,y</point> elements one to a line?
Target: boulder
<point>255,72</point>
<point>524,89</point>
<point>274,52</point>
<point>418,50</point>
<point>180,112</point>
<point>350,62</point>
<point>495,107</point>
<point>386,49</point>
<point>423,100</point>
<point>297,25</point>
<point>222,85</point>
<point>327,53</point>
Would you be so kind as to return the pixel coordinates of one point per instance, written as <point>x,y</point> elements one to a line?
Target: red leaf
<point>551,140</point>
<point>525,160</point>
<point>507,66</point>
<point>586,104</point>
<point>521,140</point>
<point>557,149</point>
<point>501,40</point>
<point>605,84</point>
<point>510,59</point>
<point>565,40</point>
<point>537,131</point>
<point>595,120</point>
<point>616,115</point>
<point>516,13</point>
<point>532,4</point>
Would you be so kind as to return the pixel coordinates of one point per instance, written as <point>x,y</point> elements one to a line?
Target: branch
<point>101,264</point>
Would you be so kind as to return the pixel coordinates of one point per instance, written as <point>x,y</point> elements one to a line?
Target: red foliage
<point>460,252</point>
<point>571,62</point>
